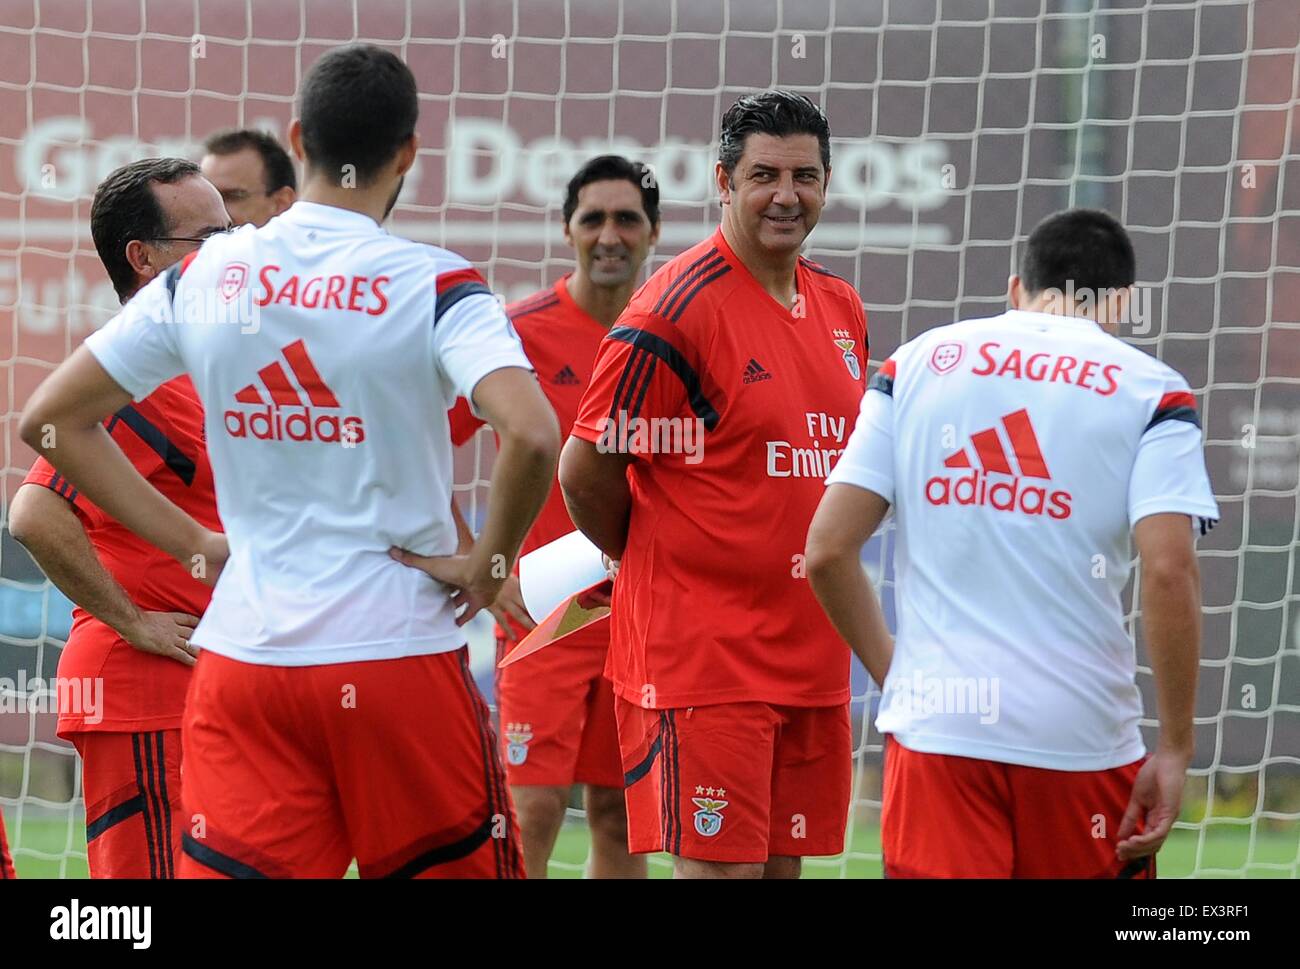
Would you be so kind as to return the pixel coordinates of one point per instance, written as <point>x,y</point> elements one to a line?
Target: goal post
<point>958,124</point>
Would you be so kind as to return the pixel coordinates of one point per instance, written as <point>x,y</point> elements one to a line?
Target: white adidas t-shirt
<point>326,353</point>
<point>1018,453</point>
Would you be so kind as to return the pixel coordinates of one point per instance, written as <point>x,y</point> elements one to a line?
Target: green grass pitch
<point>1226,851</point>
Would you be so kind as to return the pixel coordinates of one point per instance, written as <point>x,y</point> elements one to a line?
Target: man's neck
<point>775,273</point>
<point>368,201</point>
<point>602,303</point>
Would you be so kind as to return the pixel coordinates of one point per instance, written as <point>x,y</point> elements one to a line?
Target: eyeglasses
<point>196,239</point>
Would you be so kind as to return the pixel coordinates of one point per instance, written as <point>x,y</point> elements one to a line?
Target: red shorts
<point>959,817</point>
<point>6,861</point>
<point>557,717</point>
<point>736,782</point>
<point>134,819</point>
<point>295,771</point>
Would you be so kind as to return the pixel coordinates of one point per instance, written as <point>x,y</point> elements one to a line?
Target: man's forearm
<point>842,587</point>
<point>45,524</point>
<point>90,459</point>
<point>1171,617</point>
<point>597,495</point>
<point>521,480</point>
<point>603,520</point>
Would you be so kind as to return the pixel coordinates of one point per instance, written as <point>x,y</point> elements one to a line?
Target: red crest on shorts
<point>233,280</point>
<point>946,356</point>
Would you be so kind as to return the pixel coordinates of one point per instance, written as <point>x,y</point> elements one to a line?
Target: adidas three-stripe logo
<point>754,372</point>
<point>284,412</point>
<point>1015,495</point>
<point>988,448</point>
<point>566,377</point>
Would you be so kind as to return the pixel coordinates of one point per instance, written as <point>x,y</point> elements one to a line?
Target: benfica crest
<point>233,280</point>
<point>846,345</point>
<point>517,735</point>
<point>708,819</point>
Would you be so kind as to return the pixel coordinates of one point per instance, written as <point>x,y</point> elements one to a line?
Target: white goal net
<point>957,124</point>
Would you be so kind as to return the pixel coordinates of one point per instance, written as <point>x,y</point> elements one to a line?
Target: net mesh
<point>958,125</point>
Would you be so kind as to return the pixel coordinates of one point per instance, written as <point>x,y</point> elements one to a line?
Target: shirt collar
<point>1052,319</point>
<point>330,217</point>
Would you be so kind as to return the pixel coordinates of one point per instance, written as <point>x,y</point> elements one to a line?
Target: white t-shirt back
<point>1018,453</point>
<point>327,354</point>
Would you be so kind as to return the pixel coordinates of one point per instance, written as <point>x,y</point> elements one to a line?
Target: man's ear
<point>654,234</point>
<point>282,198</point>
<point>1015,292</point>
<point>406,154</point>
<point>140,257</point>
<point>723,181</point>
<point>295,139</point>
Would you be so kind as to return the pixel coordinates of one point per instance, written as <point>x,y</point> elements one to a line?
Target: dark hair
<point>125,208</point>
<point>358,105</point>
<point>607,168</point>
<point>779,113</point>
<point>276,163</point>
<point>1085,248</point>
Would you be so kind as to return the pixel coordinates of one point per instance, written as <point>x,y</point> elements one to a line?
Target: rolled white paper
<point>562,568</point>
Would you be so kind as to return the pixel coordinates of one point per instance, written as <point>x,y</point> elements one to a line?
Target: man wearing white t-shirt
<point>1019,453</point>
<point>331,715</point>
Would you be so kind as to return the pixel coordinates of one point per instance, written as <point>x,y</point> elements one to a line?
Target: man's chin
<point>782,241</point>
<point>610,277</point>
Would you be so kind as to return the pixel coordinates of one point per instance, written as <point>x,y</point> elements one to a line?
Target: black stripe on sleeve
<point>632,360</point>
<point>445,301</point>
<point>881,382</point>
<point>535,308</point>
<point>681,307</point>
<point>669,354</point>
<point>633,380</point>
<point>635,409</point>
<point>1183,413</point>
<point>152,435</point>
<point>683,280</point>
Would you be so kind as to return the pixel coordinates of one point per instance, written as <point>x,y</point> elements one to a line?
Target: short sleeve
<point>472,336</point>
<point>1169,472</point>
<point>43,473</point>
<point>641,373</point>
<point>868,459</point>
<point>138,347</point>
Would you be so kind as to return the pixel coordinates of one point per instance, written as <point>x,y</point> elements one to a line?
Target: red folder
<point>579,611</point>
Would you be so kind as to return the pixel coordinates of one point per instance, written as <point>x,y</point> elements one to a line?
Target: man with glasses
<point>129,647</point>
<point>253,173</point>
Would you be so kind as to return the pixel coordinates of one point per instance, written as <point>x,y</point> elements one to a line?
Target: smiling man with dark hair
<point>731,688</point>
